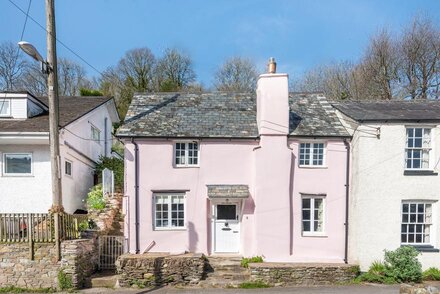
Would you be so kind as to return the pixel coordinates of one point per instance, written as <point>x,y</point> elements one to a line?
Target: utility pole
<point>54,138</point>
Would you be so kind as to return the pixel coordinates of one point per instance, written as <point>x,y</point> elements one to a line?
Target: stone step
<point>219,283</point>
<point>107,281</point>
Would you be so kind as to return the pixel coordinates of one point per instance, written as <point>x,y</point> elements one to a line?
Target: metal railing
<point>110,248</point>
<point>38,227</point>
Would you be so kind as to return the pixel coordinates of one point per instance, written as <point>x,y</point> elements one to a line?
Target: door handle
<point>234,231</point>
<point>226,229</point>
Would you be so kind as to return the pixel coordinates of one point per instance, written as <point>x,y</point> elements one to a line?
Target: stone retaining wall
<point>292,274</point>
<point>16,269</point>
<point>79,259</point>
<point>146,270</point>
<point>425,288</point>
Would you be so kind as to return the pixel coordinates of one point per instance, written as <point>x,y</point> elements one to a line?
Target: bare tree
<point>379,67</point>
<point>34,80</point>
<point>236,74</point>
<point>71,77</point>
<point>12,66</point>
<point>420,51</point>
<point>174,71</point>
<point>136,69</point>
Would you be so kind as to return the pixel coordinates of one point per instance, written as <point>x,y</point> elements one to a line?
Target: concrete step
<point>104,281</point>
<point>219,283</point>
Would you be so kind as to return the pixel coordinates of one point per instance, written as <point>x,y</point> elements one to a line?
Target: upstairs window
<point>68,168</point>
<point>95,134</point>
<point>186,154</point>
<point>19,164</point>
<point>311,154</point>
<point>418,147</point>
<point>5,107</point>
<point>416,222</point>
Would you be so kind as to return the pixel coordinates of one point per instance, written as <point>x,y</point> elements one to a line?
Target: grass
<point>246,260</point>
<point>431,274</point>
<point>13,289</point>
<point>253,285</point>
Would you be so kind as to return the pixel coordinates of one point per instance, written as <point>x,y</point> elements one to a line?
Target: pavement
<point>351,289</point>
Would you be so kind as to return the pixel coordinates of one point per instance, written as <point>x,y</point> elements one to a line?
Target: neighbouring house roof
<point>71,108</point>
<point>222,115</point>
<point>391,110</point>
<point>228,191</point>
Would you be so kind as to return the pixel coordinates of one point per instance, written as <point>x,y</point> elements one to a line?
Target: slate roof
<point>222,115</point>
<point>391,110</point>
<point>228,191</point>
<point>71,108</point>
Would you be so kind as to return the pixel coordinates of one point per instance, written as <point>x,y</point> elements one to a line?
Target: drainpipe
<point>136,193</point>
<point>347,193</point>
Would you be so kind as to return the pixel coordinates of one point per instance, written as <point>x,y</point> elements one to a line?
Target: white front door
<point>226,228</point>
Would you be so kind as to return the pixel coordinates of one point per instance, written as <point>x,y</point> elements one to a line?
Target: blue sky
<point>299,34</point>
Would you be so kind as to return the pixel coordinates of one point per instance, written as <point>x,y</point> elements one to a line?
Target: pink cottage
<point>218,173</point>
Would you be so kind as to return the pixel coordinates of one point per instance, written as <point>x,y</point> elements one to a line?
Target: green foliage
<point>254,285</point>
<point>246,260</point>
<point>64,281</point>
<point>13,289</point>
<point>90,92</point>
<point>95,200</point>
<point>116,165</point>
<point>402,264</point>
<point>169,86</point>
<point>431,274</point>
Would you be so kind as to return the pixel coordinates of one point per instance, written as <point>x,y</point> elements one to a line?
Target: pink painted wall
<point>271,220</point>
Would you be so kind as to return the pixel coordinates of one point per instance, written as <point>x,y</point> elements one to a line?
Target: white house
<point>395,186</point>
<point>85,134</point>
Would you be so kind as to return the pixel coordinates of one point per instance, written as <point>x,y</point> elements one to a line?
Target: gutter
<point>347,194</point>
<point>136,193</point>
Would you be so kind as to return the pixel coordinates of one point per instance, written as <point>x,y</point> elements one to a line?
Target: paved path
<point>353,289</point>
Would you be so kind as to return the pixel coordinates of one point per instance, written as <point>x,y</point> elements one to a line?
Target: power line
<point>25,20</point>
<point>58,40</point>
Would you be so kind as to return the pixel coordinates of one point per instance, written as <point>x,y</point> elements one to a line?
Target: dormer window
<point>5,107</point>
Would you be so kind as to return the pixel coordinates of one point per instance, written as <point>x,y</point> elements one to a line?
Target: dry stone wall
<point>145,270</point>
<point>292,274</point>
<point>79,259</point>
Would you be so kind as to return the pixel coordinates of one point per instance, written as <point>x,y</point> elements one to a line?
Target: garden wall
<point>146,270</point>
<point>79,261</point>
<point>292,274</point>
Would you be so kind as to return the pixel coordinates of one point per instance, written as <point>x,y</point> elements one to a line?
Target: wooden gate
<point>110,248</point>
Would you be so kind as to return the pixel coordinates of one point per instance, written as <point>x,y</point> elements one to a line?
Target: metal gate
<point>110,248</point>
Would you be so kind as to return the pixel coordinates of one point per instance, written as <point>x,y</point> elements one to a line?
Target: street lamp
<point>30,50</point>
<point>49,67</point>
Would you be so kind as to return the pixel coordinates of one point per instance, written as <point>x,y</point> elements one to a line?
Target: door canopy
<point>228,191</point>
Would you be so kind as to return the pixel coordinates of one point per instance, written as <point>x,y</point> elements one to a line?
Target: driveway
<point>352,289</point>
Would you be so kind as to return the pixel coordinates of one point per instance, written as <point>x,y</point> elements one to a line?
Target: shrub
<point>95,200</point>
<point>377,273</point>
<point>402,264</point>
<point>431,274</point>
<point>114,164</point>
<point>64,281</point>
<point>246,260</point>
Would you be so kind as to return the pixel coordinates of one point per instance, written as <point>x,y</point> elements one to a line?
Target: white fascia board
<point>11,138</point>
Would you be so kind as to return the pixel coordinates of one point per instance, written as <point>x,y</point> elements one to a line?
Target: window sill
<point>186,166</point>
<point>319,235</point>
<point>313,166</point>
<point>423,248</point>
<point>419,173</point>
<point>169,229</point>
<point>18,176</point>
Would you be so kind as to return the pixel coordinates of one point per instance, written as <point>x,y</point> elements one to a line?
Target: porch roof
<point>228,191</point>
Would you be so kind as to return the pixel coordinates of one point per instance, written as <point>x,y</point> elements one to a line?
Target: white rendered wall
<point>30,194</point>
<point>377,189</point>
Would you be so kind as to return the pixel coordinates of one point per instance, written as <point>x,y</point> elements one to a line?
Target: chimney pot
<point>272,66</point>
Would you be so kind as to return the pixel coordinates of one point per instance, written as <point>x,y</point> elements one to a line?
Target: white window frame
<point>18,174</point>
<point>312,231</point>
<point>186,164</point>
<point>431,224</point>
<point>169,197</point>
<point>98,131</point>
<point>311,165</point>
<point>66,161</point>
<point>428,149</point>
<point>10,106</point>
